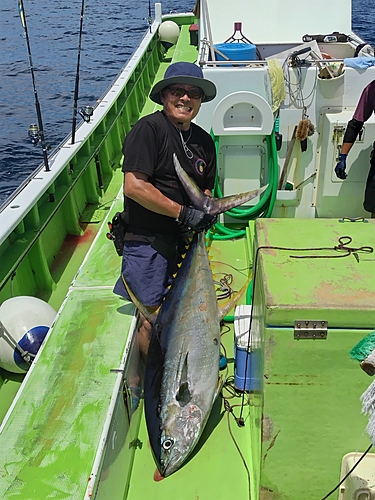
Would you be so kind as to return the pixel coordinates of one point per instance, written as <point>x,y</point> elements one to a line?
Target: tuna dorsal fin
<point>213,206</point>
<point>148,312</point>
<point>225,308</point>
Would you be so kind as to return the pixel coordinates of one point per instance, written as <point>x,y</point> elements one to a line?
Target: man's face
<point>181,109</point>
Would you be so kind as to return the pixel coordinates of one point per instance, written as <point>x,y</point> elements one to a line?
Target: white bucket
<point>332,88</point>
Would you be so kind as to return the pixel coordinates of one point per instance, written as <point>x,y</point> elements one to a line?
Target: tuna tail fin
<point>148,312</point>
<point>225,308</point>
<point>212,206</point>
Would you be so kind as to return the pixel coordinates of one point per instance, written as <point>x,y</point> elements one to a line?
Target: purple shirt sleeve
<point>366,103</point>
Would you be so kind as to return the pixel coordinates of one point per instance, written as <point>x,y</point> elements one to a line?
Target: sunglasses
<point>196,93</point>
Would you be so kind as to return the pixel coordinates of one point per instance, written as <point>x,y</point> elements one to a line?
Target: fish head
<point>179,434</point>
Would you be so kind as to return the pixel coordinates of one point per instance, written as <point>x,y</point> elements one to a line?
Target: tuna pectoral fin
<point>225,308</point>
<point>148,312</point>
<point>183,395</point>
<point>212,206</point>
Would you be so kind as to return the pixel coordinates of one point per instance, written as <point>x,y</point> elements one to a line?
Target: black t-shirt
<point>148,149</point>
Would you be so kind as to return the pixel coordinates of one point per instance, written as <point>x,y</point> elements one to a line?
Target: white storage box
<point>360,485</point>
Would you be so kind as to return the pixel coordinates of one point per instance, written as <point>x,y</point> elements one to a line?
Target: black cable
<point>230,411</point>
<point>348,474</point>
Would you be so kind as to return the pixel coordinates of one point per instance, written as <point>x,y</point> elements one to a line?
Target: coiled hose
<point>262,209</point>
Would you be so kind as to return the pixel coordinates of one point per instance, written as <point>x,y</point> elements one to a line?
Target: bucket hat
<point>186,73</point>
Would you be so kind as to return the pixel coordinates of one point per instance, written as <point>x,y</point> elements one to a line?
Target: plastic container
<point>247,354</point>
<point>236,51</point>
<point>332,88</point>
<point>193,32</point>
<point>247,368</point>
<point>359,485</point>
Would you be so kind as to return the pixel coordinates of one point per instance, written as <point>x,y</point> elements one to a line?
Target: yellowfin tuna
<point>182,369</point>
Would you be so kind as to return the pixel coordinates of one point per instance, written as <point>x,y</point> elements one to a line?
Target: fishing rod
<point>149,19</point>
<point>21,11</point>
<point>77,75</point>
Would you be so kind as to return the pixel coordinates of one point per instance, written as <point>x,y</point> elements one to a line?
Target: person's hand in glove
<point>196,220</point>
<point>340,167</point>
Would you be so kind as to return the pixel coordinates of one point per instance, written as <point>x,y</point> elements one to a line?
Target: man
<point>364,109</point>
<point>157,212</point>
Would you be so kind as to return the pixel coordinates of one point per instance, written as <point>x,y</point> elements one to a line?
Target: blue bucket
<point>247,369</point>
<point>237,51</point>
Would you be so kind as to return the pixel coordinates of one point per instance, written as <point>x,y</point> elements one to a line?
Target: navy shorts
<point>146,272</point>
<point>369,201</point>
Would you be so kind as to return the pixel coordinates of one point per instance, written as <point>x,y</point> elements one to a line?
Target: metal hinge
<point>310,329</point>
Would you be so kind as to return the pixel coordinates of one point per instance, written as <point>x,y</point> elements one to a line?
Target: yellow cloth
<point>277,83</point>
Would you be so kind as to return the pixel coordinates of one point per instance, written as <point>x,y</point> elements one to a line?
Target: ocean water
<point>111,32</point>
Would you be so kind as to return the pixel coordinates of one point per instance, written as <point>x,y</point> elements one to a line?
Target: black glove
<point>196,220</point>
<point>340,167</point>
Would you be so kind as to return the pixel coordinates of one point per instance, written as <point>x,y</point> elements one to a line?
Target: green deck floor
<point>50,439</point>
<point>68,260</point>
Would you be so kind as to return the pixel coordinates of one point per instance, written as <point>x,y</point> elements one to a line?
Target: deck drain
<point>92,216</point>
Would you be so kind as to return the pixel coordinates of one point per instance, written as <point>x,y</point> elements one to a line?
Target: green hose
<point>263,208</point>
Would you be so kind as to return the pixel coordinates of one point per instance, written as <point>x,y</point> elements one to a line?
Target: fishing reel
<point>86,112</point>
<point>33,134</point>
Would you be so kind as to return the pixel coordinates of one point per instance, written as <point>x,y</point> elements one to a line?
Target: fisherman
<point>365,108</point>
<point>157,212</point>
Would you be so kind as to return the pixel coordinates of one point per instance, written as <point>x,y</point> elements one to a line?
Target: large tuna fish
<point>182,371</point>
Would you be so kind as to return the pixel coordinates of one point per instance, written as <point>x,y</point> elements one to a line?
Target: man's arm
<point>138,188</point>
<point>352,130</point>
<point>346,147</point>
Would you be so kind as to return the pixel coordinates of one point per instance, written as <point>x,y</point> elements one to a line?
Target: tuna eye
<point>167,444</point>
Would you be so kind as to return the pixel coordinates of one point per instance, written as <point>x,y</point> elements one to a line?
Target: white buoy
<point>169,33</point>
<point>24,321</point>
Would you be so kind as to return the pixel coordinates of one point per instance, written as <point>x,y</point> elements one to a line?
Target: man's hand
<point>340,167</point>
<point>196,220</point>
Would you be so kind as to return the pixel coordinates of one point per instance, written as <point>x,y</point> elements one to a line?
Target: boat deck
<point>68,259</point>
<point>76,429</point>
<point>50,438</point>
